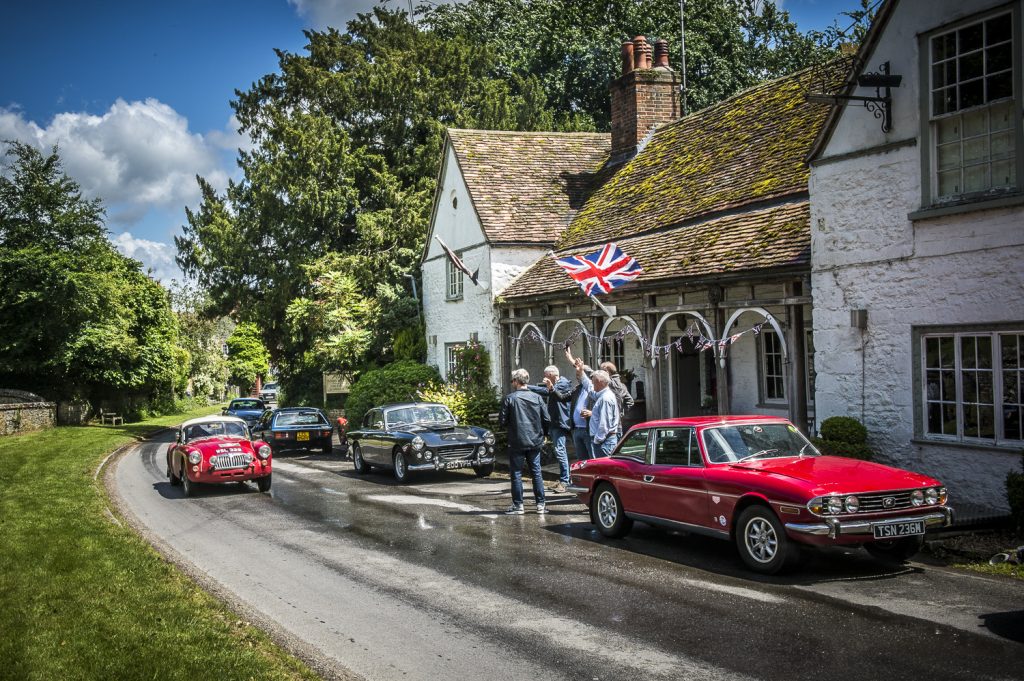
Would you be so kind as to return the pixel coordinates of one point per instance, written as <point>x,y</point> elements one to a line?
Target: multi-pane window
<point>773,384</point>
<point>454,279</point>
<point>972,385</point>
<point>972,108</point>
<point>451,358</point>
<point>616,353</point>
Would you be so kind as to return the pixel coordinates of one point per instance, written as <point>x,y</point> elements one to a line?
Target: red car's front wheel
<point>762,541</point>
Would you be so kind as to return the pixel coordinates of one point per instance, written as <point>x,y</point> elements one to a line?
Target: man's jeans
<point>558,440</point>
<point>581,441</point>
<point>516,461</point>
<point>608,445</point>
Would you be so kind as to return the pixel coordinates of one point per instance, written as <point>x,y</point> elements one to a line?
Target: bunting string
<point>651,350</point>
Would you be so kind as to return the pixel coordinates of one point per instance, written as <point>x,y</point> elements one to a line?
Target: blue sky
<point>136,94</point>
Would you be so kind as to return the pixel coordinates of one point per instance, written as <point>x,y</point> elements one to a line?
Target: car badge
<point>889,502</point>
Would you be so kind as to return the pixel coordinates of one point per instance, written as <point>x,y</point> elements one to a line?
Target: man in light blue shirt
<point>604,416</point>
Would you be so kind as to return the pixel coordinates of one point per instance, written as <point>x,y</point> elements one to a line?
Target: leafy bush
<point>847,449</point>
<point>396,382</point>
<point>472,406</point>
<point>1015,495</point>
<point>844,429</point>
<point>410,343</point>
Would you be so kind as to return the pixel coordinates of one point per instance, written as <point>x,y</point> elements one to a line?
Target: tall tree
<point>77,318</point>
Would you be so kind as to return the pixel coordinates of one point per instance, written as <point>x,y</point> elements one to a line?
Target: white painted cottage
<point>502,200</point>
<point>917,244</point>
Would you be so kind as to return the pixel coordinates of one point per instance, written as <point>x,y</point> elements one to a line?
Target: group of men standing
<point>591,412</point>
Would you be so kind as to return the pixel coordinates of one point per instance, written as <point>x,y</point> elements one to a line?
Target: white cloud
<point>337,13</point>
<point>136,155</point>
<point>156,257</point>
<point>231,137</point>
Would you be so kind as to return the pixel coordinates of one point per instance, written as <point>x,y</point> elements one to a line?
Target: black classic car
<point>419,436</point>
<point>294,428</point>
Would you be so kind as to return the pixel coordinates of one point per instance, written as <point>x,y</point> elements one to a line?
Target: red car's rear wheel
<point>606,512</point>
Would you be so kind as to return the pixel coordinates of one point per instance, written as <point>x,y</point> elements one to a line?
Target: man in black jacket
<point>525,415</point>
<point>556,391</point>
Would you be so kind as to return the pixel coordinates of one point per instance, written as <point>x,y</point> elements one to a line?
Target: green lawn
<point>84,598</point>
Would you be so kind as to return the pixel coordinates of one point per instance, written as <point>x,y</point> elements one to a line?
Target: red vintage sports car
<point>216,449</point>
<point>757,481</point>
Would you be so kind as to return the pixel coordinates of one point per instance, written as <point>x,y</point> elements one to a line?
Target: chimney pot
<point>661,54</point>
<point>641,53</point>
<point>627,57</point>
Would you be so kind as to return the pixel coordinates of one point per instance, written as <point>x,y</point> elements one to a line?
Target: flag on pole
<point>601,271</point>
<point>457,261</point>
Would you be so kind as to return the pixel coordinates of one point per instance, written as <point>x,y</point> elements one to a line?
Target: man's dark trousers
<point>516,462</point>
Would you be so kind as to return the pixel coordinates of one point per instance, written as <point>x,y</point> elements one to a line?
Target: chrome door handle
<point>648,478</point>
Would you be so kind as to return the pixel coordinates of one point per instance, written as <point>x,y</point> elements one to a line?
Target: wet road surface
<point>430,581</point>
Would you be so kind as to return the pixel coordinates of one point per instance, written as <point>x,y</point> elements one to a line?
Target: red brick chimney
<point>644,97</point>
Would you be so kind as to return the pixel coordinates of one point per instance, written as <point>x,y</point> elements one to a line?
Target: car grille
<point>226,461</point>
<point>455,453</point>
<point>876,503</point>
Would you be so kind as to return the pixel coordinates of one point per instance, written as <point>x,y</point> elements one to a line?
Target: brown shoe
<point>559,488</point>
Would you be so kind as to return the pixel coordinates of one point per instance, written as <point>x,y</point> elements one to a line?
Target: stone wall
<point>22,412</point>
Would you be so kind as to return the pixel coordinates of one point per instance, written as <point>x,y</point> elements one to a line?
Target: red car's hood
<point>839,475</point>
<point>222,442</point>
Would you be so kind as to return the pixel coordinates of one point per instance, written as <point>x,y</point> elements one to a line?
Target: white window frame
<point>996,369</point>
<point>454,279</point>
<point>929,122</point>
<point>449,357</point>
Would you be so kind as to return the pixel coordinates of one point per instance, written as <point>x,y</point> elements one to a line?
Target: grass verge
<point>82,597</point>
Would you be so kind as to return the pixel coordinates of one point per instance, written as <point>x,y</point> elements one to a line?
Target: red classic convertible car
<point>757,481</point>
<point>215,449</point>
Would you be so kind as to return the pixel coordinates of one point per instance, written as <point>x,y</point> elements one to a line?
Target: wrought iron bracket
<point>880,105</point>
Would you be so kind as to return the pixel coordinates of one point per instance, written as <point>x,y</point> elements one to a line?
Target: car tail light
<point>326,433</point>
<point>280,436</point>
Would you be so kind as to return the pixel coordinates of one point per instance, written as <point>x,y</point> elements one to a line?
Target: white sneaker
<point>541,508</point>
<point>515,509</point>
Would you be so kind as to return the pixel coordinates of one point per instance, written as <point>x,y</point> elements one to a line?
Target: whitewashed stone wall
<point>452,321</point>
<point>867,254</point>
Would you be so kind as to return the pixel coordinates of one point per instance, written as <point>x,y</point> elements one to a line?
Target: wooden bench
<point>114,418</point>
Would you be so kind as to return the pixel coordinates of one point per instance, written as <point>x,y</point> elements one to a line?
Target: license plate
<point>302,437</point>
<point>456,464</point>
<point>895,530</point>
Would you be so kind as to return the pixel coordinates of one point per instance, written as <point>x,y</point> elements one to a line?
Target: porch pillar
<point>652,387</point>
<point>724,391</point>
<point>797,370</point>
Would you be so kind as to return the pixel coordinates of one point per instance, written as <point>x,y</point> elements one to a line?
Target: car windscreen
<point>245,404</point>
<point>432,413</point>
<point>270,386</point>
<point>300,418</point>
<point>215,428</point>
<point>725,444</point>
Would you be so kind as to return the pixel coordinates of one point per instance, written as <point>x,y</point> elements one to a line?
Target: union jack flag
<point>601,271</point>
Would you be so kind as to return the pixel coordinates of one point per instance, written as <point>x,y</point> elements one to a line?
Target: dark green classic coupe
<point>419,436</point>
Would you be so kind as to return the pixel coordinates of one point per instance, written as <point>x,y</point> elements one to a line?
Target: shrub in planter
<point>1015,495</point>
<point>844,436</point>
<point>844,429</point>
<point>847,449</point>
<point>396,382</point>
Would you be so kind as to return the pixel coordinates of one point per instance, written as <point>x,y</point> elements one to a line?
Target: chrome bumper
<point>576,489</point>
<point>833,527</point>
<point>463,463</point>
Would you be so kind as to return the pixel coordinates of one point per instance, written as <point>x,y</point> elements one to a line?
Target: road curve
<point>430,581</point>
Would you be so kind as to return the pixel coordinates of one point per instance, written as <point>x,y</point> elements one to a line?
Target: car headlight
<point>852,504</point>
<point>489,437</point>
<point>917,497</point>
<point>943,496</point>
<point>418,443</point>
<point>834,505</point>
<point>194,457</point>
<point>264,452</point>
<point>931,496</point>
<point>429,455</point>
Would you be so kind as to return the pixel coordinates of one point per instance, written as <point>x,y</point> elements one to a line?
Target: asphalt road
<point>430,581</point>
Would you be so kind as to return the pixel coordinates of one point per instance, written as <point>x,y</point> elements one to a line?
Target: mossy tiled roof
<point>751,241</point>
<point>748,148</point>
<point>526,186</point>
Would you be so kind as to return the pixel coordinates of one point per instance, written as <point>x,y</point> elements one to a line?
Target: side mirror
<point>177,436</point>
